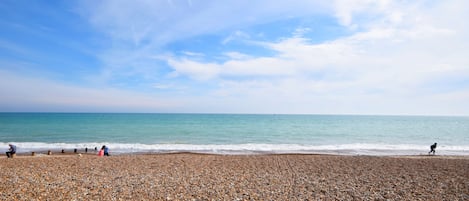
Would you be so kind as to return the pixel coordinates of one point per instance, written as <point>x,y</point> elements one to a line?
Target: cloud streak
<point>140,29</point>
<point>21,93</point>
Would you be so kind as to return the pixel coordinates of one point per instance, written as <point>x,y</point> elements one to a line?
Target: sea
<point>128,133</point>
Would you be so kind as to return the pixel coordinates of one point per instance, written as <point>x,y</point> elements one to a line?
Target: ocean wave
<point>341,149</point>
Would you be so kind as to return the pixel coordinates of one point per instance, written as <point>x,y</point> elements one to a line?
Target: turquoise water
<point>236,134</point>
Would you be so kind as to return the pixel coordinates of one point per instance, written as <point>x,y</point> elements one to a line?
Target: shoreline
<point>69,152</point>
<point>245,149</point>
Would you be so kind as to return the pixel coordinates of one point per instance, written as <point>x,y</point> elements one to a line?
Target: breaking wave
<point>340,149</point>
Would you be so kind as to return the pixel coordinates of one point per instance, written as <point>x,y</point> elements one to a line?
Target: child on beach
<point>101,152</point>
<point>11,151</point>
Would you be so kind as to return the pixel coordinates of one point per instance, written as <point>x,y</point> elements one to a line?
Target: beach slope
<point>233,177</point>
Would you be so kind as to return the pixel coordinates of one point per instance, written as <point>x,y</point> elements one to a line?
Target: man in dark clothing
<point>11,151</point>
<point>432,148</point>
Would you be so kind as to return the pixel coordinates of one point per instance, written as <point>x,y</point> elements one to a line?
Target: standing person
<point>432,148</point>
<point>106,151</point>
<point>11,151</point>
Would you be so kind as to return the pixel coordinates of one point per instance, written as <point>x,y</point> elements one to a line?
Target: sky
<point>365,57</point>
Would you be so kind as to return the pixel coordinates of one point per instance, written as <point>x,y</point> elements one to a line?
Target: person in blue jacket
<point>106,150</point>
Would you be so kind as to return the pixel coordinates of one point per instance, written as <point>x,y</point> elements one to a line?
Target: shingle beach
<point>233,177</point>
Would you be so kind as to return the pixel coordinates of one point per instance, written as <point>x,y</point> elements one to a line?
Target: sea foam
<point>340,149</point>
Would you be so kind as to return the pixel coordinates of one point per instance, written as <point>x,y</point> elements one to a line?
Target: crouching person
<point>11,151</point>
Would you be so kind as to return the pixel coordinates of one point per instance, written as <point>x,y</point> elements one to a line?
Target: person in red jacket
<point>101,152</point>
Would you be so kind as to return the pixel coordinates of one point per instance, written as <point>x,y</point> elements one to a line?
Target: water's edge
<point>344,149</point>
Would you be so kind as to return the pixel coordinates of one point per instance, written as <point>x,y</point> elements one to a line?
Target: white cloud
<point>162,86</point>
<point>195,70</point>
<point>193,54</point>
<point>346,9</point>
<point>163,21</point>
<point>22,93</point>
<point>237,35</point>
<point>237,55</point>
<point>387,67</point>
<point>139,29</point>
<point>299,32</point>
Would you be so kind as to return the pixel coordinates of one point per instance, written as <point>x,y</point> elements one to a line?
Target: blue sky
<point>208,56</point>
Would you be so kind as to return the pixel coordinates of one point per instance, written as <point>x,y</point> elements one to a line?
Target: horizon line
<point>227,113</point>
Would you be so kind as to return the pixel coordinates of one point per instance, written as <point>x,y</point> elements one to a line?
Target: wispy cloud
<point>193,54</point>
<point>236,35</point>
<point>139,29</point>
<point>23,93</point>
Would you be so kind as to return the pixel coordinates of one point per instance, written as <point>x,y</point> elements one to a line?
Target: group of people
<point>105,150</point>
<point>12,150</point>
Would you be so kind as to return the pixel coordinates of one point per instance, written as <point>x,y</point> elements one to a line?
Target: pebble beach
<point>186,176</point>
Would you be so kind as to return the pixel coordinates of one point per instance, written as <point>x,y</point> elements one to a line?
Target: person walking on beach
<point>11,151</point>
<point>432,148</point>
